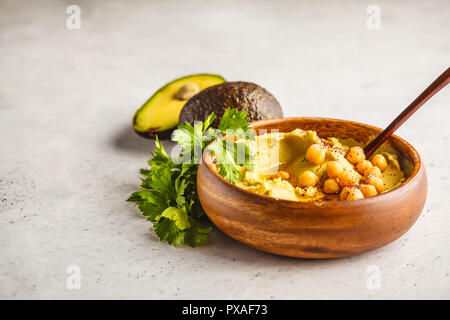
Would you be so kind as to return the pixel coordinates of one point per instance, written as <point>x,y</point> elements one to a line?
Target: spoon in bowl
<point>432,89</point>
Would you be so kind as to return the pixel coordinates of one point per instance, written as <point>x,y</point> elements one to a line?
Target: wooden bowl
<point>321,229</point>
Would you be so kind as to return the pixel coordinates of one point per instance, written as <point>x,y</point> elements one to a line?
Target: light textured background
<point>68,157</point>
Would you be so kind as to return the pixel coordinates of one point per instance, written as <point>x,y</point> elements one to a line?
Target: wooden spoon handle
<point>437,85</point>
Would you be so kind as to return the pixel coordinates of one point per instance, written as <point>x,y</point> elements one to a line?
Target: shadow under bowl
<point>318,229</point>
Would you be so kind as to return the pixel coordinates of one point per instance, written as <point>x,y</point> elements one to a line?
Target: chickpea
<point>368,190</point>
<point>363,165</point>
<point>374,171</point>
<point>376,182</point>
<point>380,161</point>
<point>330,186</point>
<point>355,155</point>
<point>308,179</point>
<point>334,168</point>
<point>344,193</point>
<point>230,138</point>
<point>315,154</point>
<point>348,178</point>
<point>281,174</point>
<point>355,194</point>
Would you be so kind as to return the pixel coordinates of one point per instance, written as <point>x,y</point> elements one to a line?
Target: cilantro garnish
<point>168,195</point>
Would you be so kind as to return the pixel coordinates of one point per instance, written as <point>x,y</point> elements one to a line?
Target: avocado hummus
<point>287,153</point>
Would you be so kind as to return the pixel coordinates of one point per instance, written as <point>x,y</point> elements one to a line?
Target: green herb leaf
<point>227,166</point>
<point>160,158</point>
<point>208,121</point>
<point>178,215</point>
<point>168,196</point>
<point>197,234</point>
<point>233,119</point>
<point>167,230</point>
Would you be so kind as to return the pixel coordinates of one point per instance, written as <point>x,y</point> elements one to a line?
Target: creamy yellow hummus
<point>287,151</point>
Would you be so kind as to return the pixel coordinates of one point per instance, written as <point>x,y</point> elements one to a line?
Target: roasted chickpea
<point>355,155</point>
<point>330,186</point>
<point>344,193</point>
<point>231,138</point>
<point>368,190</point>
<point>374,171</point>
<point>348,178</point>
<point>334,168</point>
<point>376,182</point>
<point>380,161</point>
<point>308,179</point>
<point>355,194</point>
<point>281,174</point>
<point>363,165</point>
<point>315,154</point>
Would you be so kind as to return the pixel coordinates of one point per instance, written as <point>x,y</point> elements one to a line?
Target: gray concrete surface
<point>68,157</point>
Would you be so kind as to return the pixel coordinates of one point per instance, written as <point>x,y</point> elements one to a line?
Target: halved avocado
<point>259,103</point>
<point>160,114</point>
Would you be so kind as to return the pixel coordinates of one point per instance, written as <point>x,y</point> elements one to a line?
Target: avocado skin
<point>162,135</point>
<point>259,103</point>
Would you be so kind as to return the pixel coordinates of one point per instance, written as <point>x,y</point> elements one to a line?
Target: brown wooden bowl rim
<point>413,156</point>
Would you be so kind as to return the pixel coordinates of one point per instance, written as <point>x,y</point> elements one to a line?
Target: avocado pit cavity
<point>187,91</point>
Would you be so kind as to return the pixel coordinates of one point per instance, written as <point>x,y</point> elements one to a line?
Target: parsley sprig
<point>168,195</point>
